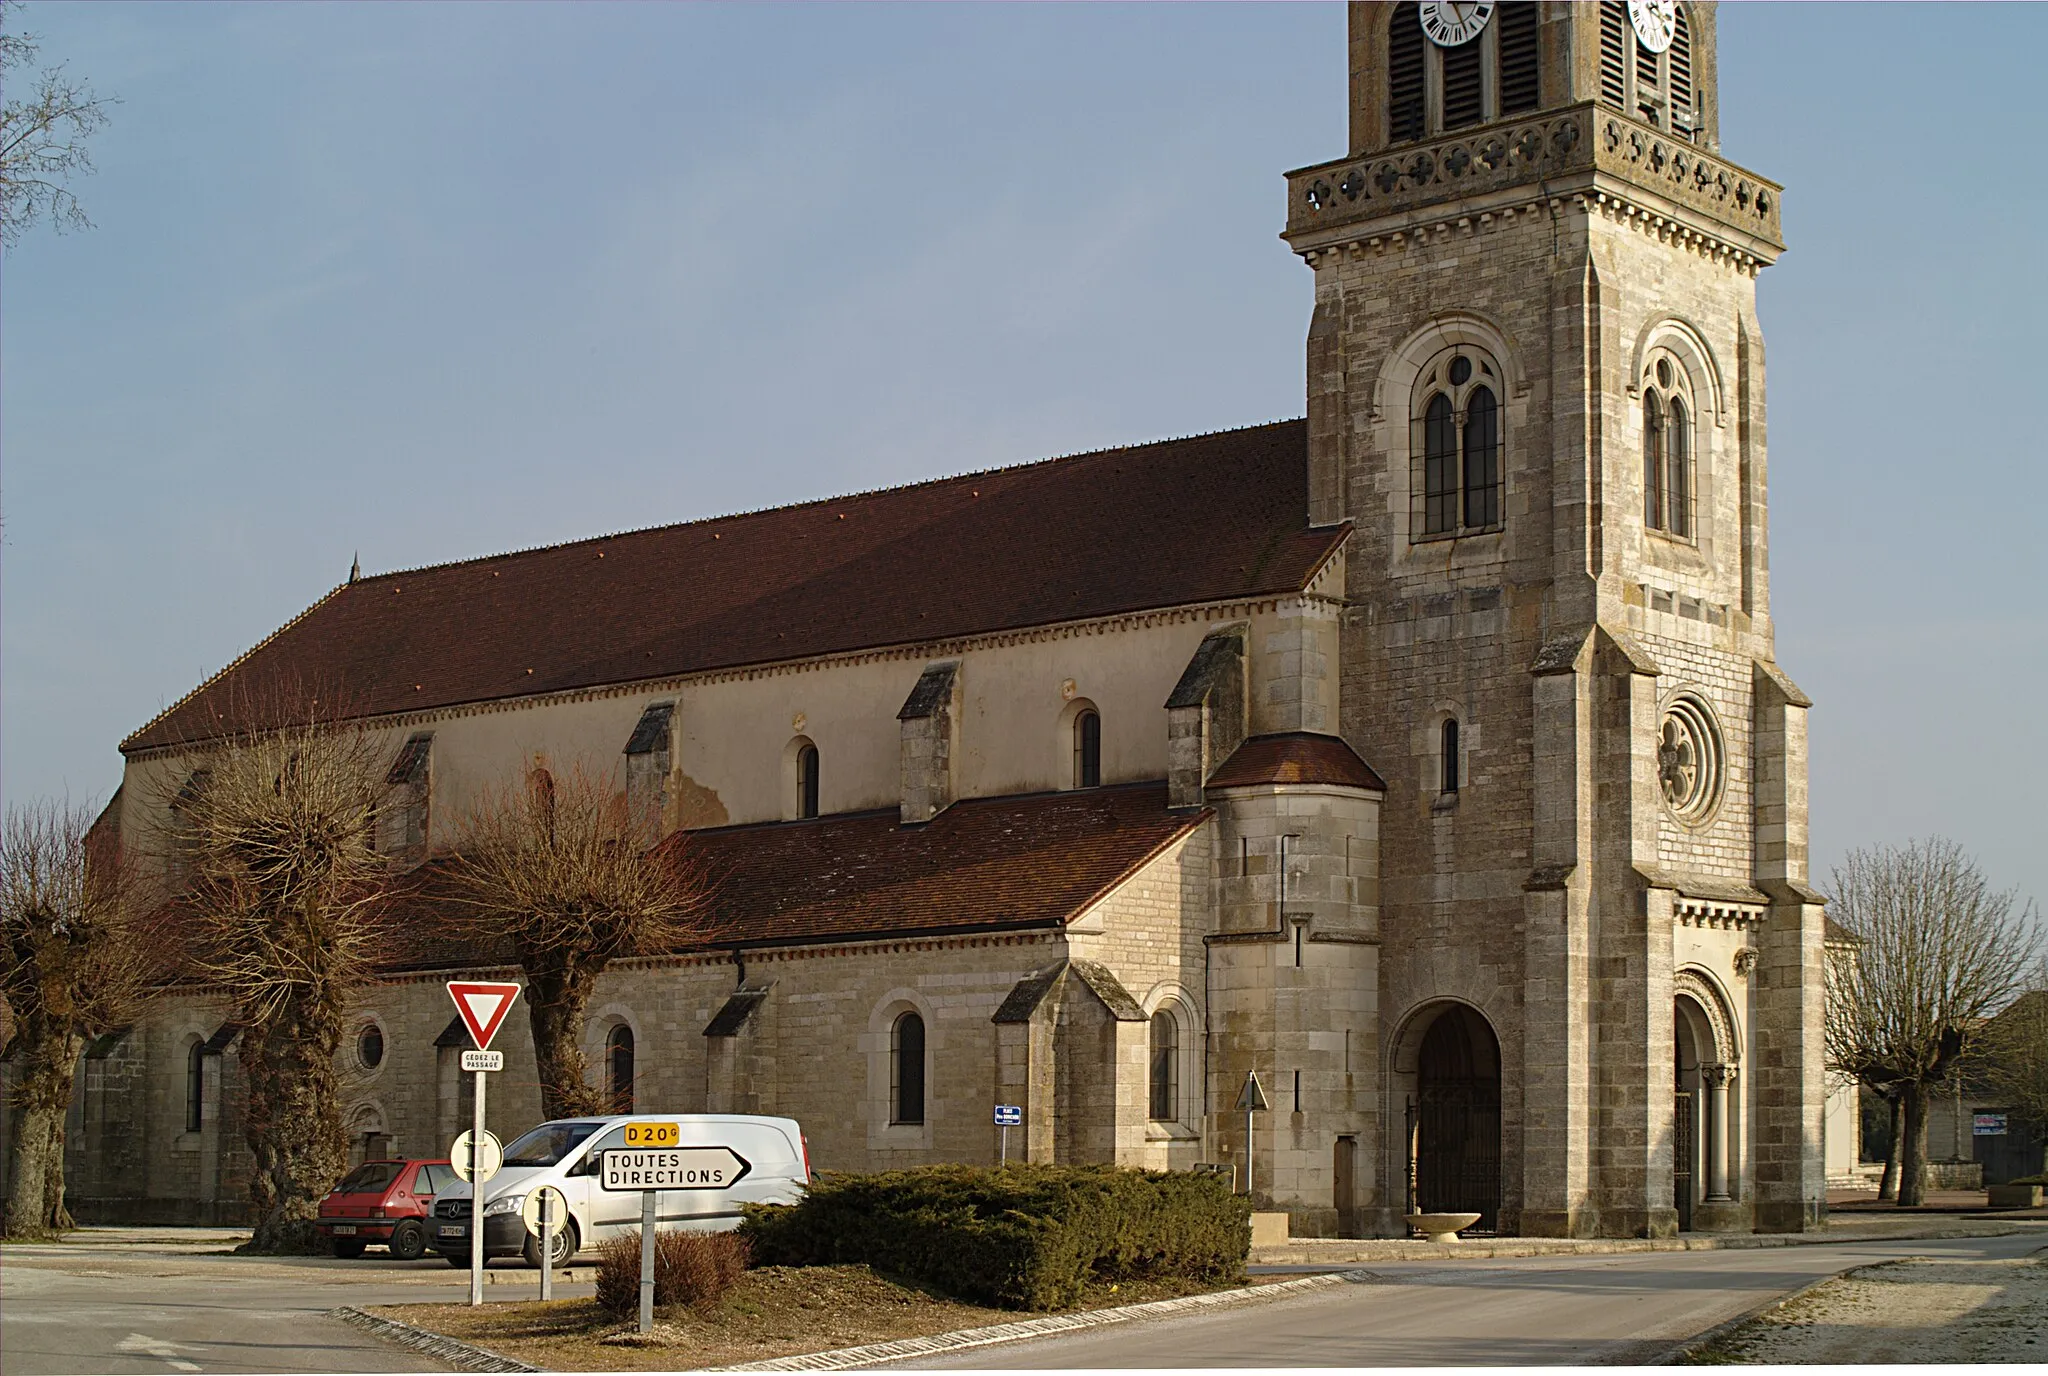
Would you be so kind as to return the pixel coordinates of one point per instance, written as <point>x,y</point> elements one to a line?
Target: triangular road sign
<point>483,1006</point>
<point>1252,1098</point>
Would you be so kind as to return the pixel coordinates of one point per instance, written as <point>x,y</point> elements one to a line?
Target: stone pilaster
<point>928,731</point>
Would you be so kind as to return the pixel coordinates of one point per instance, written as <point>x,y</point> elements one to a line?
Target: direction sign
<point>673,1168</point>
<point>1009,1115</point>
<point>1987,1124</point>
<point>483,1060</point>
<point>490,1155</point>
<point>483,1005</point>
<point>549,1197</point>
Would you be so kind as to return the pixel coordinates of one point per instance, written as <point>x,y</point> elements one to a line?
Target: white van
<point>565,1154</point>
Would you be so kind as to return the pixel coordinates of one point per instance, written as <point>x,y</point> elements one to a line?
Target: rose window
<point>1689,759</point>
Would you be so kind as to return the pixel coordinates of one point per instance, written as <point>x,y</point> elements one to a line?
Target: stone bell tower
<point>1535,388</point>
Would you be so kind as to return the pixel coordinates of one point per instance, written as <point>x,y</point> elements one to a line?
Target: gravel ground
<point>1915,1310</point>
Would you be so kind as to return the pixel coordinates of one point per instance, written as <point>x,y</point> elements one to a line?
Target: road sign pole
<point>647,1261</point>
<point>476,1201</point>
<point>547,1249</point>
<point>1006,1144</point>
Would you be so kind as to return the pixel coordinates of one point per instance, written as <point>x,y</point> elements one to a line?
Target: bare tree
<point>43,136</point>
<point>1936,952</point>
<point>283,913</point>
<point>554,867</point>
<point>2015,1060</point>
<point>71,969</point>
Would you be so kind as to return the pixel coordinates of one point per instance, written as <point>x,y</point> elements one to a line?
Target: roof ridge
<point>863,494</point>
<point>231,665</point>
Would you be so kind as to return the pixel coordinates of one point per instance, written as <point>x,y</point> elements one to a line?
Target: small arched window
<point>1668,480</point>
<point>1088,749</point>
<point>906,1069</point>
<point>1165,1067</point>
<point>1459,465</point>
<point>807,780</point>
<point>1452,774</point>
<point>195,1087</point>
<point>618,1069</point>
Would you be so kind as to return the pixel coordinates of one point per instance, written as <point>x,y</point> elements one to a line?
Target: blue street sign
<point>1009,1115</point>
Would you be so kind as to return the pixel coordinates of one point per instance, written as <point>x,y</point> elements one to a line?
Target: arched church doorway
<point>1453,1113</point>
<point>1702,1130</point>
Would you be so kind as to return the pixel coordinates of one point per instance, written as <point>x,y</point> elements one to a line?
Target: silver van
<point>565,1154</point>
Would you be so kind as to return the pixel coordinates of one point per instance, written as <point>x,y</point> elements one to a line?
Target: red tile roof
<point>1159,525</point>
<point>1295,757</point>
<point>987,864</point>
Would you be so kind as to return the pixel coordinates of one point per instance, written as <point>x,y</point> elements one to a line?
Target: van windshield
<point>547,1144</point>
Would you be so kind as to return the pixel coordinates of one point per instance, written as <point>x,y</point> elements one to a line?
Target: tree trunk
<point>1888,1184</point>
<point>558,1000</point>
<point>42,1099</point>
<point>1913,1157</point>
<point>292,1124</point>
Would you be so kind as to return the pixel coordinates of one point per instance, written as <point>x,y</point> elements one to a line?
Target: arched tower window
<point>1451,772</point>
<point>1668,478</point>
<point>618,1069</point>
<point>807,780</point>
<point>1088,749</point>
<point>906,1069</point>
<point>195,1087</point>
<point>1458,446</point>
<point>1433,89</point>
<point>1165,1082</point>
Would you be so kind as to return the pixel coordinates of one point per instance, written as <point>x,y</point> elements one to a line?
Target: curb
<point>1678,1352</point>
<point>1574,1247</point>
<point>960,1340</point>
<point>458,1354</point>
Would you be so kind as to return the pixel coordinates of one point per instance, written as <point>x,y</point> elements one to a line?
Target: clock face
<point>1655,21</point>
<point>1452,22</point>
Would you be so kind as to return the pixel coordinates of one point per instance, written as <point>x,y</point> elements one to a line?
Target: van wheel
<point>348,1248</point>
<point>566,1246</point>
<point>408,1241</point>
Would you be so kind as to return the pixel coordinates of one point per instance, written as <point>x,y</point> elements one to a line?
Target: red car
<point>385,1202</point>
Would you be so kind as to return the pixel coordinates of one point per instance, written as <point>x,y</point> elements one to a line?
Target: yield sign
<point>483,1006</point>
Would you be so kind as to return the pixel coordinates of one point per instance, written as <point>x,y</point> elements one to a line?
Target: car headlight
<point>504,1204</point>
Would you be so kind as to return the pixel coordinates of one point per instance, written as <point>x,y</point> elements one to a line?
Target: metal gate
<point>1683,1138</point>
<point>1454,1137</point>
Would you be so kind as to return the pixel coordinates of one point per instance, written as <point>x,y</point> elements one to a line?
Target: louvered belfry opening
<point>1615,40</point>
<point>1406,85</point>
<point>1520,58</point>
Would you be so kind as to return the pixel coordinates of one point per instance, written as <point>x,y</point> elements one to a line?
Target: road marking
<point>160,1348</point>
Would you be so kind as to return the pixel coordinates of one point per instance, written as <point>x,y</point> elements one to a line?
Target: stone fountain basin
<point>1441,1227</point>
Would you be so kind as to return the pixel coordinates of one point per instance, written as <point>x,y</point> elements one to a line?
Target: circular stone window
<point>370,1046</point>
<point>1689,758</point>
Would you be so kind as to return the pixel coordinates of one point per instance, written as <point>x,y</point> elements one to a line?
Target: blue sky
<point>433,281</point>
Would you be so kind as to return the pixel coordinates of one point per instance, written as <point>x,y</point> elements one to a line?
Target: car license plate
<point>344,1230</point>
<point>454,1230</point>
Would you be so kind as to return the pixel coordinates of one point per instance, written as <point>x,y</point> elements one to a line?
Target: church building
<point>1428,757</point>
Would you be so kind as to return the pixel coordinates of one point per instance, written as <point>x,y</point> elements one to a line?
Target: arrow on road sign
<point>483,1006</point>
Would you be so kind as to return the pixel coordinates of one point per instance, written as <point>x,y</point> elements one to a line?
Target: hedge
<point>1020,1237</point>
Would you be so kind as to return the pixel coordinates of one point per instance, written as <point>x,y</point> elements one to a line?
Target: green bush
<point>1021,1237</point>
<point>689,1268</point>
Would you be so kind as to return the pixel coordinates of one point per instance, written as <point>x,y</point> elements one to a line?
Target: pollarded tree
<point>1936,953</point>
<point>554,866</point>
<point>283,913</point>
<point>71,968</point>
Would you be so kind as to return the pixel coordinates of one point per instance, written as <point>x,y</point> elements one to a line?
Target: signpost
<point>543,1211</point>
<point>1008,1116</point>
<point>1251,1099</point>
<point>482,1005</point>
<point>650,1169</point>
<point>1987,1125</point>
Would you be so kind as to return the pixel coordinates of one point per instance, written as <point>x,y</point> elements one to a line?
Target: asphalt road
<point>70,1308</point>
<point>1518,1311</point>
<point>154,1309</point>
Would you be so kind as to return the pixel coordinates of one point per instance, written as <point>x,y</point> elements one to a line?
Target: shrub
<point>689,1268</point>
<point>1022,1237</point>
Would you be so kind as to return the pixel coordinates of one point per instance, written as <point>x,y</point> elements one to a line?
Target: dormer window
<point>1435,85</point>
